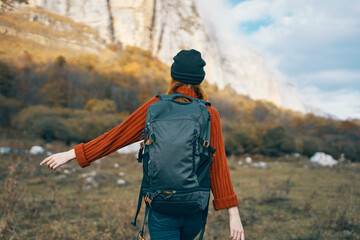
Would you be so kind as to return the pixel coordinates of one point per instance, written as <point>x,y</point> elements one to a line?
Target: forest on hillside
<point>76,100</point>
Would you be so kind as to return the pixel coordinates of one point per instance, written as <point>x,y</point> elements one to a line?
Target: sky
<point>313,44</point>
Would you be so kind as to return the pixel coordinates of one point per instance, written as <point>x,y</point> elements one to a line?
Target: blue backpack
<point>176,156</point>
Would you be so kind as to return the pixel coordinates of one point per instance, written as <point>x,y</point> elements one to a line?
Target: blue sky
<point>315,45</point>
<point>234,2</point>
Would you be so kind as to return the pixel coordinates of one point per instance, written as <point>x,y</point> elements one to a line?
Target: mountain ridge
<point>165,27</point>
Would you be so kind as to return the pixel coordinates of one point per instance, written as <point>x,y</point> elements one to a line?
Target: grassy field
<point>291,199</point>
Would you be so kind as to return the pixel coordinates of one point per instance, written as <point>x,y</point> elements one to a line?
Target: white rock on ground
<point>37,150</point>
<point>120,182</point>
<point>5,150</point>
<point>121,174</point>
<point>116,165</point>
<point>248,160</point>
<point>261,165</point>
<point>323,159</point>
<point>89,179</point>
<point>92,174</point>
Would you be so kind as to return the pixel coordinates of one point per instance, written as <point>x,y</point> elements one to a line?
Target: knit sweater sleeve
<point>129,131</point>
<point>220,181</point>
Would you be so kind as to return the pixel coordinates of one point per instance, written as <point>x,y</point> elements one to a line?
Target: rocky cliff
<point>166,26</point>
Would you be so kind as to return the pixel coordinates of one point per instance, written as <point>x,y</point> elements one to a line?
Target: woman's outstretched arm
<point>124,134</point>
<point>129,131</point>
<point>220,181</point>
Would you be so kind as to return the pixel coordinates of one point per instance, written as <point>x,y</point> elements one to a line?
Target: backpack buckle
<point>149,140</point>
<point>140,237</point>
<point>206,144</point>
<point>147,199</point>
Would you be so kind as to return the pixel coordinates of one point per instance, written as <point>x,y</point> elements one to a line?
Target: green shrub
<point>64,124</point>
<point>276,142</point>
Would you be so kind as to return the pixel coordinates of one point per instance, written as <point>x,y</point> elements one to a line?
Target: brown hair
<point>199,90</point>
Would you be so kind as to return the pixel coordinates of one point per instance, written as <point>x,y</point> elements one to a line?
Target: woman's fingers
<point>51,165</point>
<point>231,234</point>
<point>50,162</point>
<point>56,160</point>
<point>55,166</point>
<point>235,235</point>
<point>46,159</point>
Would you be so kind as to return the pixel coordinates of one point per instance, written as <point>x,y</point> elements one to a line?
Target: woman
<point>187,74</point>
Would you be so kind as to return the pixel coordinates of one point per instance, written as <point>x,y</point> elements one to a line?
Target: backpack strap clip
<point>208,146</point>
<point>148,198</point>
<point>140,236</point>
<point>150,138</point>
<point>140,153</point>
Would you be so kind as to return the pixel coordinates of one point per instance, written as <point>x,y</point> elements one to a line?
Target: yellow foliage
<point>97,105</point>
<point>132,68</point>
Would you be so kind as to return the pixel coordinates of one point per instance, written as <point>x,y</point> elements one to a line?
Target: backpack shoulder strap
<point>171,97</point>
<point>203,101</point>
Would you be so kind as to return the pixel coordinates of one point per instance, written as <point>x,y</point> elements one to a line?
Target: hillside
<point>46,35</point>
<point>78,101</point>
<point>65,91</point>
<point>164,27</point>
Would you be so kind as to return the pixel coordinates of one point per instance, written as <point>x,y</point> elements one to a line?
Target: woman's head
<point>188,70</point>
<point>188,67</point>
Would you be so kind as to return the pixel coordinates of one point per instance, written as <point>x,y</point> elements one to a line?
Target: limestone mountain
<point>164,27</point>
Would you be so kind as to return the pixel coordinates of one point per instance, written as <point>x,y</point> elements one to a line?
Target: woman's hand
<point>236,227</point>
<point>56,160</point>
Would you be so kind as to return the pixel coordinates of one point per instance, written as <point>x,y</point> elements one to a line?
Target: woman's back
<point>187,73</point>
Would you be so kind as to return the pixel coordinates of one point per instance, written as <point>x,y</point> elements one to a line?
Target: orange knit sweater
<point>130,131</point>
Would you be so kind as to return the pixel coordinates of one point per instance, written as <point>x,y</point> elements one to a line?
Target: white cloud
<point>342,103</point>
<point>322,22</point>
<point>333,77</point>
<point>312,44</point>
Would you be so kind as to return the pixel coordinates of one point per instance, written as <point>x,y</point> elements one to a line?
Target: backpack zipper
<point>146,132</point>
<point>195,135</point>
<point>178,191</point>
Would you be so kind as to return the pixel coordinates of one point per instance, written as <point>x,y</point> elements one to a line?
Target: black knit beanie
<point>188,67</point>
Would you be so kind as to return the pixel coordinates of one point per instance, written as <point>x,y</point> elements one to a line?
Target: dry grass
<point>295,203</point>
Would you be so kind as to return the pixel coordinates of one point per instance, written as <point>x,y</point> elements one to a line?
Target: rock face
<point>165,27</point>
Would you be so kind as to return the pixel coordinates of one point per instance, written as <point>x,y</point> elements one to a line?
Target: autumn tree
<point>276,142</point>
<point>6,78</point>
